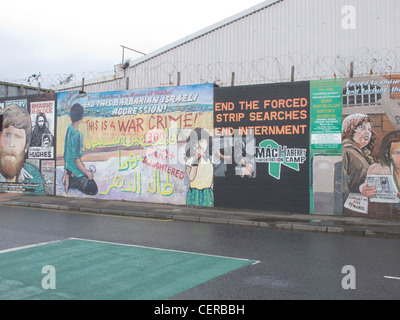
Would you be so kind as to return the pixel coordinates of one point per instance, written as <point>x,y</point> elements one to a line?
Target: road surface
<point>291,264</point>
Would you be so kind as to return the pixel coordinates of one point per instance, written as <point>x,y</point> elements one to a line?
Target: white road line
<point>170,250</point>
<point>127,245</point>
<point>393,278</point>
<point>28,246</point>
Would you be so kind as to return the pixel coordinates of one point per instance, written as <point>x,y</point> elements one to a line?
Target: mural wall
<point>261,138</point>
<point>136,145</point>
<point>27,144</point>
<point>370,146</point>
<point>321,147</point>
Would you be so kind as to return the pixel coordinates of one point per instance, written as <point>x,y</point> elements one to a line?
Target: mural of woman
<point>358,141</point>
<point>388,164</point>
<point>199,168</point>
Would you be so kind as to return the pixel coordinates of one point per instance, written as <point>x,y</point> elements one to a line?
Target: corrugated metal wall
<point>12,90</point>
<point>262,47</point>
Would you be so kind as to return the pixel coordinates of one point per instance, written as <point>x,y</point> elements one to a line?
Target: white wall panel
<point>264,43</point>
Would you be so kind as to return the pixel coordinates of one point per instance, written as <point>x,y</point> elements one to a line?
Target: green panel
<point>326,112</point>
<point>87,270</point>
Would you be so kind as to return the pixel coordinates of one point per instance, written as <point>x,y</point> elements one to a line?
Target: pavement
<point>329,224</point>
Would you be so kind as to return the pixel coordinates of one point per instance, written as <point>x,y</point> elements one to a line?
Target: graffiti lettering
<point>162,154</point>
<point>131,142</point>
<point>133,124</point>
<point>273,130</point>
<point>137,188</point>
<point>156,137</point>
<point>182,98</point>
<point>228,106</point>
<point>101,143</point>
<point>119,183</point>
<point>280,115</point>
<point>229,131</point>
<point>138,110</point>
<point>163,122</point>
<point>229,117</point>
<point>165,190</point>
<point>246,105</point>
<point>286,103</point>
<point>164,167</point>
<point>131,163</point>
<point>92,125</point>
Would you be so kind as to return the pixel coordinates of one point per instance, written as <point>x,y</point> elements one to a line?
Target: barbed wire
<point>269,69</point>
<point>49,81</point>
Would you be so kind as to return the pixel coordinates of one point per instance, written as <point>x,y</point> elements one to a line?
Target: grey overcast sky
<point>84,36</point>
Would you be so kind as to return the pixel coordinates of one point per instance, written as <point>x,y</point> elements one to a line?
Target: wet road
<point>293,264</point>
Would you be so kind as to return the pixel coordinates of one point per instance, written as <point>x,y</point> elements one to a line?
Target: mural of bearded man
<point>15,139</point>
<point>40,130</point>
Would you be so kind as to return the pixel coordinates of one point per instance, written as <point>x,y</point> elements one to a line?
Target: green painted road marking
<point>92,270</point>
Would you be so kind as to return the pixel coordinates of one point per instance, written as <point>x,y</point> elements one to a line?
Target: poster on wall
<point>326,112</point>
<point>42,140</point>
<point>371,146</point>
<point>136,145</point>
<point>326,149</point>
<point>27,121</point>
<point>261,146</point>
<point>23,103</point>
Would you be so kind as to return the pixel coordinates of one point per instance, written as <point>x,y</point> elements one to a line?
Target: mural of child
<point>199,168</point>
<point>358,141</point>
<point>76,176</point>
<point>246,169</point>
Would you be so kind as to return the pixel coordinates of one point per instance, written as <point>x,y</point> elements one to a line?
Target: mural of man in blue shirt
<point>76,176</point>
